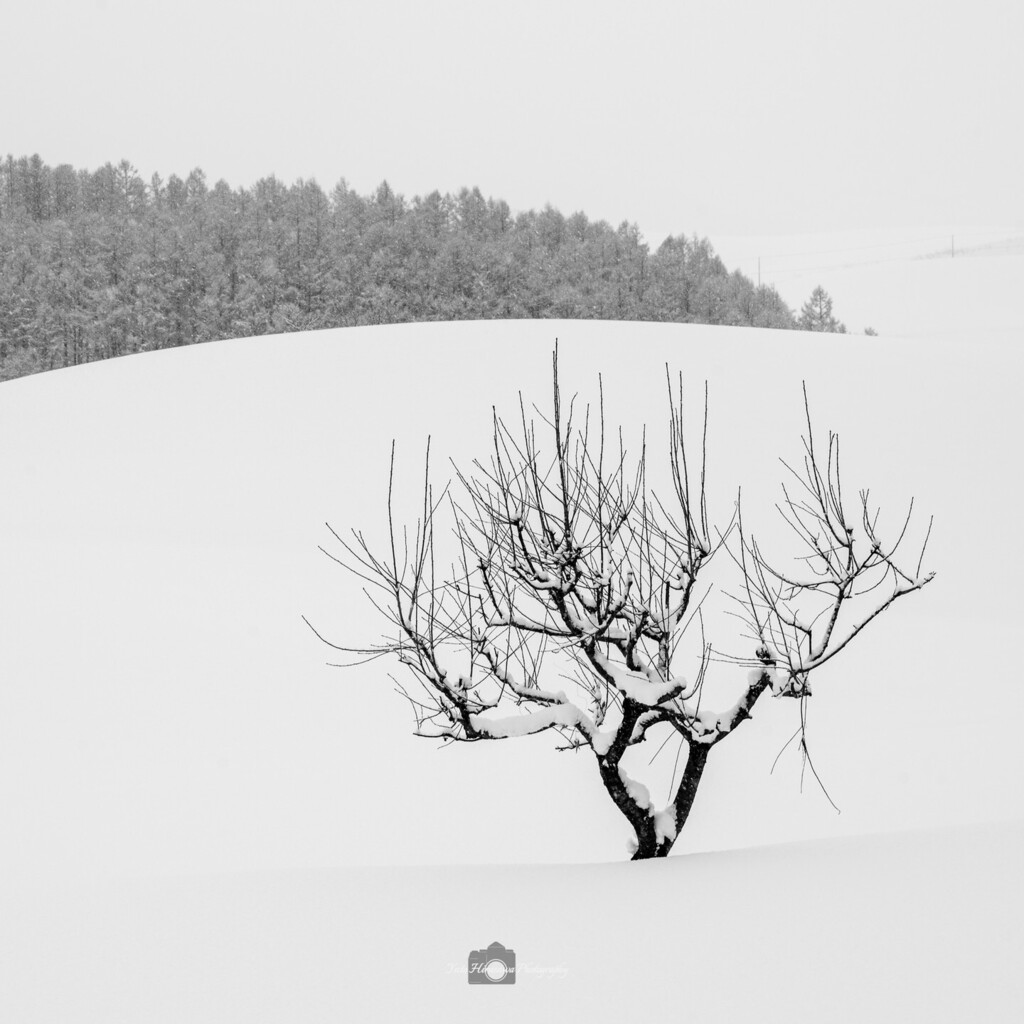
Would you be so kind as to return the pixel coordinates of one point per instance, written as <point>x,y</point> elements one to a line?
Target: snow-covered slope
<point>164,707</point>
<point>925,282</point>
<point>923,926</point>
<point>198,815</point>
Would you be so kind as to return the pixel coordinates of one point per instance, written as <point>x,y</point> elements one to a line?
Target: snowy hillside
<point>198,813</point>
<point>164,704</point>
<point>927,282</point>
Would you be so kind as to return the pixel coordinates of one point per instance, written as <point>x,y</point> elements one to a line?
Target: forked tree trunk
<point>648,844</point>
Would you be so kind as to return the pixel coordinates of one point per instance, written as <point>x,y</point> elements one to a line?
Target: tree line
<point>95,264</point>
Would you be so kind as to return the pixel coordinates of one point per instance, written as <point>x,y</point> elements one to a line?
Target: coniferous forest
<point>95,264</point>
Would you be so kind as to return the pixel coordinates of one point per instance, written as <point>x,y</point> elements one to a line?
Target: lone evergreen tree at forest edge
<point>816,314</point>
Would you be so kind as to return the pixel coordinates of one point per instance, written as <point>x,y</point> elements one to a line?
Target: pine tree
<point>816,314</point>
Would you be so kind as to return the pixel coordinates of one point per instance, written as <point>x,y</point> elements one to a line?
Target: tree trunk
<point>647,843</point>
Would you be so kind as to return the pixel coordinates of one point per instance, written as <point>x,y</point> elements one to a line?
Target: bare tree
<point>564,553</point>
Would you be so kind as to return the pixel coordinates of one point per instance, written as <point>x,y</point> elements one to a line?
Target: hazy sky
<point>752,118</point>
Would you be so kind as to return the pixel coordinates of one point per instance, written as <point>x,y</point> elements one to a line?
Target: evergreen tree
<point>816,314</point>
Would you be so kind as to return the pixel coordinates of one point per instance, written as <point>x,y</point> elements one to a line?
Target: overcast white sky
<point>721,118</point>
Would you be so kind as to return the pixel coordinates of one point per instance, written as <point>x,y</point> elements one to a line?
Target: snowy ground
<point>198,813</point>
<point>919,927</point>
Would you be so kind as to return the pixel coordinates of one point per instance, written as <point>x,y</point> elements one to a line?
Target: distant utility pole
<point>758,271</point>
<point>952,247</point>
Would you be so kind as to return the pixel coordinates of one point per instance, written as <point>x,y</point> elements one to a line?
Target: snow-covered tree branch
<point>570,569</point>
